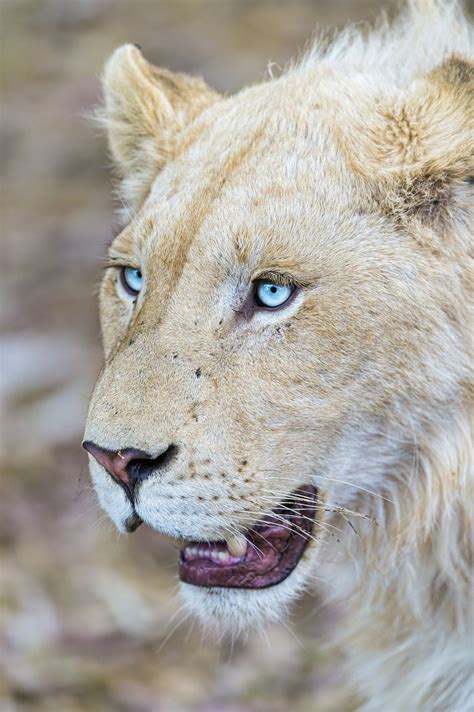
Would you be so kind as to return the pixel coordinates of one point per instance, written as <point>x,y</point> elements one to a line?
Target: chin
<point>233,594</point>
<point>240,582</point>
<point>235,612</point>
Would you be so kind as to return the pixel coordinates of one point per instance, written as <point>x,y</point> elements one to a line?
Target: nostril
<point>129,465</point>
<point>166,456</point>
<point>142,467</point>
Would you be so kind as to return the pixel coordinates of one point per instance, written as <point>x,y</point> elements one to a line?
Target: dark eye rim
<point>260,305</point>
<point>124,283</point>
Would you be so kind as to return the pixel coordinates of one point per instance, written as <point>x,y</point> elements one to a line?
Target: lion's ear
<point>417,147</point>
<point>144,109</point>
<point>443,108</point>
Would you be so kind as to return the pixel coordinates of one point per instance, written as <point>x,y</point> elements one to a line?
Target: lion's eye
<point>132,279</point>
<point>271,295</point>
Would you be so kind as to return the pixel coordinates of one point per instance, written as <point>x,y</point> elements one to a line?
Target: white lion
<point>287,343</point>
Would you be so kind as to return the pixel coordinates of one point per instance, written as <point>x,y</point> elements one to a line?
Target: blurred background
<point>90,619</point>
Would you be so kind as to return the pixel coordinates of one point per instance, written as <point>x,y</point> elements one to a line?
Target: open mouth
<point>274,547</point>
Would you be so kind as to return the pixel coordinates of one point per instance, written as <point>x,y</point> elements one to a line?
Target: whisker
<point>292,632</point>
<point>295,529</point>
<point>333,479</point>
<point>190,632</point>
<point>233,530</point>
<point>175,627</point>
<point>337,509</point>
<point>302,516</point>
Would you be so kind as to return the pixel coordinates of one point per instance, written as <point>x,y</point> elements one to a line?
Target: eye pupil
<point>270,295</point>
<point>132,280</point>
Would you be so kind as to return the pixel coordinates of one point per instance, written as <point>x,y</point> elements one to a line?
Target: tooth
<point>223,556</point>
<point>237,545</point>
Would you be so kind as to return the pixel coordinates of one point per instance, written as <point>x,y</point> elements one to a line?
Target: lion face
<point>261,316</point>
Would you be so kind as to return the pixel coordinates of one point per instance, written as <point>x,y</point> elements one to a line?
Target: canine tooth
<point>237,545</point>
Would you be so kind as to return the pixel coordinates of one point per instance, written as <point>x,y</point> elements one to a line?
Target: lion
<point>286,391</point>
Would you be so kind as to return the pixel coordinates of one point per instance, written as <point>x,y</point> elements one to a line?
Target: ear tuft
<point>416,147</point>
<point>445,104</point>
<point>144,110</point>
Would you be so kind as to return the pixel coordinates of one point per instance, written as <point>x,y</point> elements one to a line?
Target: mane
<point>397,52</point>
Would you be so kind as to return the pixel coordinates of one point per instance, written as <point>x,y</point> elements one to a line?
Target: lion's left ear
<point>145,107</point>
<point>417,148</point>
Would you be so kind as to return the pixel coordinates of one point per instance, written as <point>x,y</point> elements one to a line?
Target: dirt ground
<point>90,619</point>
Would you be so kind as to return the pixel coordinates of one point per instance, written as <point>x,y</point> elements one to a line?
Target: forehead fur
<point>392,105</point>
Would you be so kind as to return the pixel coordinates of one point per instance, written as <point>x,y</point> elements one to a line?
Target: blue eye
<point>132,279</point>
<point>271,295</point>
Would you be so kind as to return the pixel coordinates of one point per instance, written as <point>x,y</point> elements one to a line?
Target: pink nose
<point>129,465</point>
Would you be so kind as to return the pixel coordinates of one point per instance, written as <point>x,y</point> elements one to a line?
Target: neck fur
<point>407,582</point>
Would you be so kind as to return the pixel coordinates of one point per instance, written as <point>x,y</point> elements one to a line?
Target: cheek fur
<point>115,312</point>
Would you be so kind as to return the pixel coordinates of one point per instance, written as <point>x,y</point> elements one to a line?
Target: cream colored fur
<point>352,173</point>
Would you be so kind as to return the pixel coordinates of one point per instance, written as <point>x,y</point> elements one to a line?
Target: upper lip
<point>266,554</point>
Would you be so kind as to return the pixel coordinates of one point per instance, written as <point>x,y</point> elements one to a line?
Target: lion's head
<point>279,311</point>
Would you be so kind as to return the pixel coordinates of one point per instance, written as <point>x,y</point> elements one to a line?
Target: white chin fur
<point>233,611</point>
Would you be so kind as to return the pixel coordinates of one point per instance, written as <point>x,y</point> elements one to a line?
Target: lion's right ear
<point>414,147</point>
<point>144,109</point>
